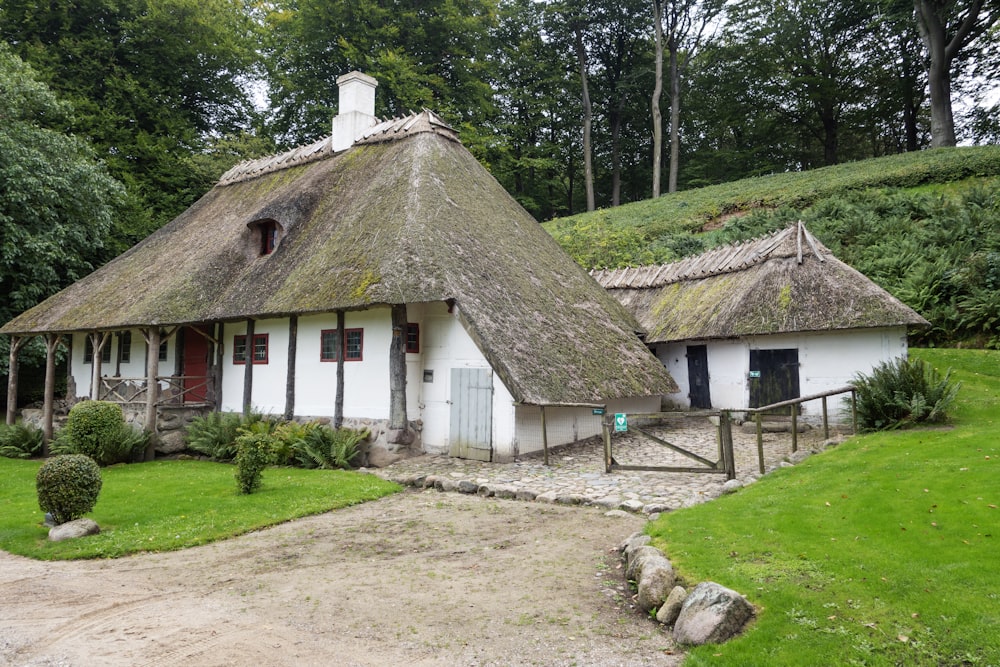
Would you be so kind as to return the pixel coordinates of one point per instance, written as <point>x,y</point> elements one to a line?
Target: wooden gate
<point>471,432</point>
<point>725,465</point>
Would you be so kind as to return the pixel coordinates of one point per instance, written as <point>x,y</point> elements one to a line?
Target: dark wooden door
<point>194,366</point>
<point>774,377</point>
<point>698,392</point>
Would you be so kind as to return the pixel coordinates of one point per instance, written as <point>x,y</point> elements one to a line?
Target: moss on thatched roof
<point>409,219</point>
<point>783,283</point>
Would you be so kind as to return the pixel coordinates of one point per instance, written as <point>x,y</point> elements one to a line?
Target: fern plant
<point>20,441</point>
<point>902,392</point>
<point>324,447</point>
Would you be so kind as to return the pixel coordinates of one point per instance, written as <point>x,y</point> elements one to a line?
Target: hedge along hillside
<point>929,233</point>
<point>664,229</point>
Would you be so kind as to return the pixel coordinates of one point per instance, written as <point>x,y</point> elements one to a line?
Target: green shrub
<point>68,486</point>
<point>97,429</point>
<point>325,447</point>
<point>903,392</point>
<point>20,441</point>
<point>287,439</point>
<point>254,452</point>
<point>214,435</point>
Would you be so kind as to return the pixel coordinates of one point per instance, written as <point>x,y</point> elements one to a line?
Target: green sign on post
<point>621,422</point>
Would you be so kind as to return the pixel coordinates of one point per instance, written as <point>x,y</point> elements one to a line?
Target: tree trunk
<point>675,116</point>
<point>293,335</point>
<point>941,53</point>
<point>657,93</point>
<point>97,342</point>
<point>616,152</point>
<point>588,168</point>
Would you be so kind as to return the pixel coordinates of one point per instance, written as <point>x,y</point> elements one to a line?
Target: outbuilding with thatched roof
<point>764,321</point>
<point>380,276</point>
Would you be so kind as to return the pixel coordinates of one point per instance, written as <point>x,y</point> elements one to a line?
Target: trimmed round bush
<point>255,451</point>
<point>92,425</point>
<point>68,486</point>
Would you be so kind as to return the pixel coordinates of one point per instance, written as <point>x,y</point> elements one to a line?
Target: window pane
<point>125,347</point>
<point>353,343</point>
<point>88,351</point>
<point>328,345</point>
<point>106,352</point>
<point>260,349</point>
<point>239,349</point>
<point>413,338</point>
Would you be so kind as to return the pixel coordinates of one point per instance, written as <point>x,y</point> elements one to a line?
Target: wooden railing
<point>179,389</point>
<point>759,412</point>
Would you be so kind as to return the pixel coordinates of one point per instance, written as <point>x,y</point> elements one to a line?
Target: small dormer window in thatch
<point>265,235</point>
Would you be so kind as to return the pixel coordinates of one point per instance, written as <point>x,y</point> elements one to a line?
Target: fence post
<point>826,423</point>
<point>726,440</point>
<point>606,428</point>
<point>545,437</point>
<point>760,440</point>
<point>854,411</point>
<point>795,428</point>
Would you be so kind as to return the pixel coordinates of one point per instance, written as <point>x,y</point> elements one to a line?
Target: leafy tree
<point>949,28</point>
<point>151,82</point>
<point>57,201</point>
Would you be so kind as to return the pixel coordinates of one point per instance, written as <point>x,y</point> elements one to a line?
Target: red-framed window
<point>413,338</point>
<point>353,347</point>
<point>259,351</point>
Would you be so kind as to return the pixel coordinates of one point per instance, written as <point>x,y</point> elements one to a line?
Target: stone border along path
<point>576,474</point>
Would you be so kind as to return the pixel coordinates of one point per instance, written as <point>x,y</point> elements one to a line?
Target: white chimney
<point>356,109</point>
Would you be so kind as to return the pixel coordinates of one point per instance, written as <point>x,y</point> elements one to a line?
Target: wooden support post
<point>48,404</point>
<point>248,369</point>
<point>545,438</point>
<point>16,343</point>
<point>759,419</point>
<point>854,410</point>
<point>338,404</point>
<point>220,357</point>
<point>398,423</point>
<point>726,440</point>
<point>97,342</point>
<point>152,336</point>
<point>826,421</point>
<point>795,429</point>
<point>293,334</point>
<point>606,431</point>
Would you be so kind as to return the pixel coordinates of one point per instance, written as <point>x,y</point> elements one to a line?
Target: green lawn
<point>168,505</point>
<point>882,551</point>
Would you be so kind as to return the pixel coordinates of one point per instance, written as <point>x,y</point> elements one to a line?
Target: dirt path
<point>420,578</point>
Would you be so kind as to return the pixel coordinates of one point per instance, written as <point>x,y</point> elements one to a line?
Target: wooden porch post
<point>399,426</point>
<point>248,369</point>
<point>16,343</point>
<point>338,404</point>
<point>152,336</point>
<point>220,356</point>
<point>48,405</point>
<point>293,334</point>
<point>97,342</point>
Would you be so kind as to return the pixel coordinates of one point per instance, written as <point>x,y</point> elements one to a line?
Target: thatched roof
<point>407,215</point>
<point>782,283</point>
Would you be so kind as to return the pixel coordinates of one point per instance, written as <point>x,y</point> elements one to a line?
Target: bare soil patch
<point>419,578</point>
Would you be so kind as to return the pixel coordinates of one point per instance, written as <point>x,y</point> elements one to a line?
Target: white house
<point>764,321</point>
<point>380,276</point>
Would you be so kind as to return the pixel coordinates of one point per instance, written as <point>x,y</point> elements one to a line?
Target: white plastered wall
<point>827,361</point>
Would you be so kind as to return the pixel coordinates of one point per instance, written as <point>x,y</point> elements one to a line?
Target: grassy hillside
<point>877,552</point>
<point>926,226</point>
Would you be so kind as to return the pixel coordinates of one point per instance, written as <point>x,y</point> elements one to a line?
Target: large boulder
<point>656,579</point>
<point>711,614</point>
<point>73,529</point>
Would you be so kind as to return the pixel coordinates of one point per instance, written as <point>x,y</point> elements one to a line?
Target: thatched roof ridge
<point>412,220</point>
<point>386,130</point>
<point>787,242</point>
<point>783,283</point>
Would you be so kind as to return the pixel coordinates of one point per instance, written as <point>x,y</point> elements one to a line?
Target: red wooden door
<point>195,366</point>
